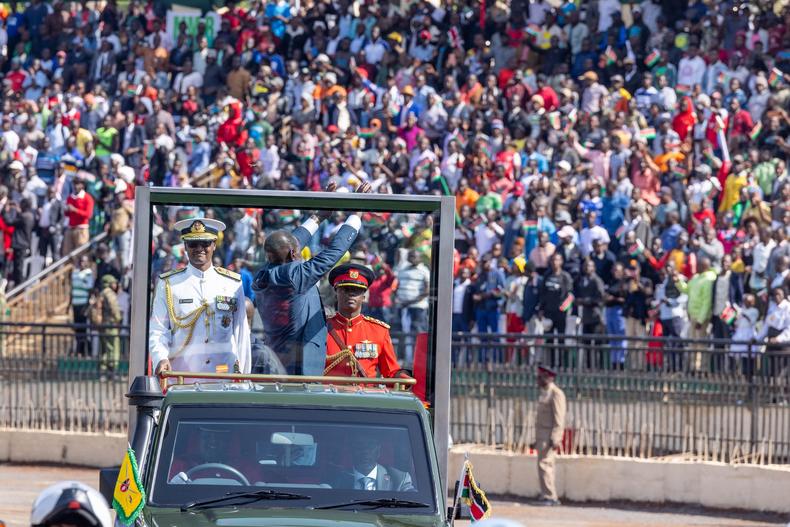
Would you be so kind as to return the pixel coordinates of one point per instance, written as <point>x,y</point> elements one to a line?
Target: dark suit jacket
<point>468,309</point>
<point>572,260</point>
<point>387,479</point>
<point>290,305</point>
<point>137,140</point>
<point>531,298</point>
<point>589,298</point>
<point>735,294</point>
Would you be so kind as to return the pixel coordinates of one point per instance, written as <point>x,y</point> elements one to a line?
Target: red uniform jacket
<point>368,340</point>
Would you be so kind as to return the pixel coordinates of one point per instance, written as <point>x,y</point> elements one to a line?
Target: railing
<point>648,397</point>
<point>55,377</point>
<point>678,398</point>
<point>46,294</point>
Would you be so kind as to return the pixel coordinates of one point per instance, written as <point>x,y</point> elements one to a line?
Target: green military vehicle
<point>238,449</point>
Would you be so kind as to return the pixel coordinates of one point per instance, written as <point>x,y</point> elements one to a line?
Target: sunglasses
<point>198,244</point>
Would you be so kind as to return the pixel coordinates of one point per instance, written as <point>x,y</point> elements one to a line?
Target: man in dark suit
<point>133,141</point>
<point>571,254</point>
<point>288,301</point>
<point>727,291</point>
<point>368,474</point>
<point>531,296</point>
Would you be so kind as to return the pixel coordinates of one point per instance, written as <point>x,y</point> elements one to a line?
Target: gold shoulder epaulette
<point>171,273</point>
<point>376,321</point>
<point>229,274</point>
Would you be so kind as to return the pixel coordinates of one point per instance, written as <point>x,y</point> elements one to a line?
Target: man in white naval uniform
<point>198,322</point>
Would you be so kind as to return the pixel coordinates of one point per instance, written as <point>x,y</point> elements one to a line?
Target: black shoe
<point>548,503</point>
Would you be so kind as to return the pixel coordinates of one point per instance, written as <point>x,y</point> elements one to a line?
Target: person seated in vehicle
<point>368,473</point>
<point>357,345</point>
<point>211,462</point>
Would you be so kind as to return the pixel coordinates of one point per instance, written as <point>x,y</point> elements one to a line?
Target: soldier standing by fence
<point>549,426</point>
<point>110,316</point>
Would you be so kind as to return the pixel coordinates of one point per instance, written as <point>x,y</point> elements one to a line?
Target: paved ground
<point>19,486</point>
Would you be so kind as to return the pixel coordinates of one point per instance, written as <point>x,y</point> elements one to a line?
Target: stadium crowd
<point>620,164</point>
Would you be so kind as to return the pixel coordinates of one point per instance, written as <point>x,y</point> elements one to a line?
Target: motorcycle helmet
<point>70,502</point>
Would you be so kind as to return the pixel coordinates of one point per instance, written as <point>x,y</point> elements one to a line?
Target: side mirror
<point>107,478</point>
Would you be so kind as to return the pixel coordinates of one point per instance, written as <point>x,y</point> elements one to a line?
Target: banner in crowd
<point>192,17</point>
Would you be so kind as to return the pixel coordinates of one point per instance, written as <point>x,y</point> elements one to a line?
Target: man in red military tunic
<point>357,345</point>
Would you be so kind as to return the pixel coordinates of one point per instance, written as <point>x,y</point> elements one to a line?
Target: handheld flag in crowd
<point>473,496</point>
<point>729,314</point>
<point>554,119</point>
<point>652,59</point>
<point>721,78</point>
<point>128,499</point>
<point>755,133</point>
<point>647,133</point>
<point>567,303</point>
<point>611,56</point>
<point>636,249</point>
<point>775,76</point>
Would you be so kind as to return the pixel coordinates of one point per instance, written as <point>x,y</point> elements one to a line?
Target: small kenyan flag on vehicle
<point>652,59</point>
<point>473,496</point>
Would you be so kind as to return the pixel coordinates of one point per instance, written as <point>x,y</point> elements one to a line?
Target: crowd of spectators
<point>621,166</point>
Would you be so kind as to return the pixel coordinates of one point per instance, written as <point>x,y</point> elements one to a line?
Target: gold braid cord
<point>337,358</point>
<point>189,320</point>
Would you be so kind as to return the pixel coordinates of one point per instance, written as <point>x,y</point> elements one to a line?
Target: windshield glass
<point>327,456</point>
<point>277,285</point>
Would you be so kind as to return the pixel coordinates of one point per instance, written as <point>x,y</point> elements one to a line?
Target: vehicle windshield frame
<point>161,494</point>
<point>437,378</point>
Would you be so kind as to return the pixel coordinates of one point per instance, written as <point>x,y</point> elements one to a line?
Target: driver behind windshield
<point>210,460</point>
<point>368,473</point>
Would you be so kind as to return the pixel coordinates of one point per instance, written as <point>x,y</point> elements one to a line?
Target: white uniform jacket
<point>199,321</point>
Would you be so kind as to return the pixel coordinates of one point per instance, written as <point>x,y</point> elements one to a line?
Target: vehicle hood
<point>247,517</point>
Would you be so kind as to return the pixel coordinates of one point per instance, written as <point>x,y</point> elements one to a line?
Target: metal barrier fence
<point>645,397</point>
<point>55,377</point>
<point>630,397</point>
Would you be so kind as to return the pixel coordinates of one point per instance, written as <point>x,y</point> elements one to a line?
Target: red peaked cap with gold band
<point>351,275</point>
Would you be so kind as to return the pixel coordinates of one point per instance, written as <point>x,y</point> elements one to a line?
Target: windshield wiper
<point>253,496</point>
<point>380,503</point>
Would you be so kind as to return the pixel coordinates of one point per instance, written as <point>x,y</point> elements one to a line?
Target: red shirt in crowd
<point>741,123</point>
<point>83,205</point>
<point>380,291</point>
<point>711,130</point>
<point>16,78</point>
<point>550,100</point>
<point>247,162</point>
